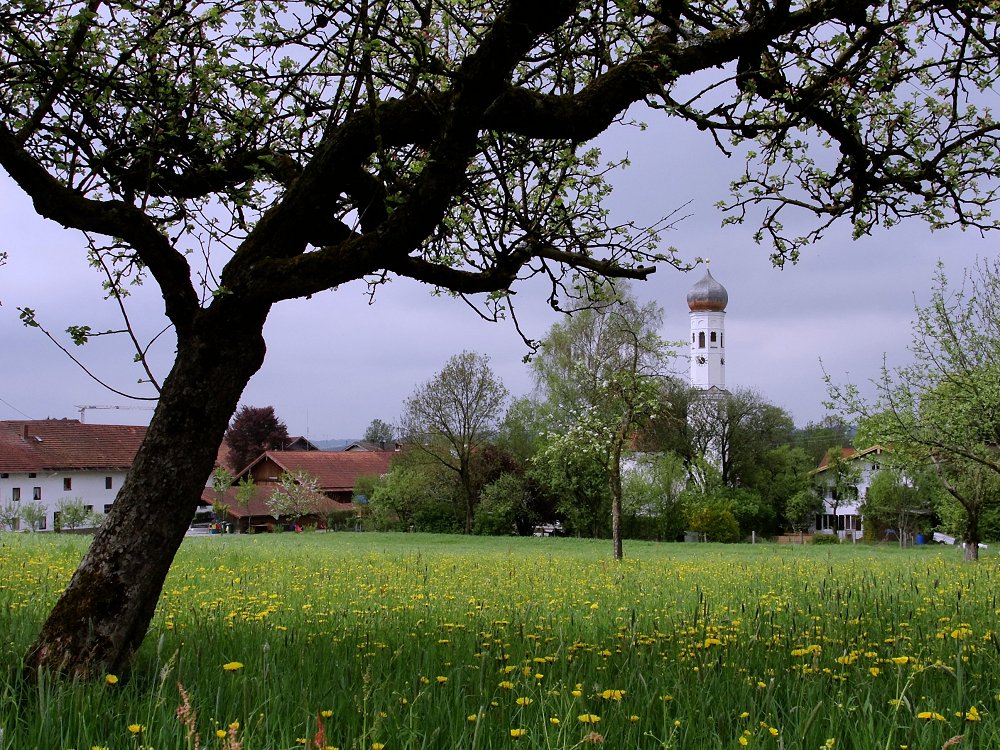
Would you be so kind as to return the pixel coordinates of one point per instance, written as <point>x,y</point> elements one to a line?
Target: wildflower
<point>220,733</point>
<point>930,716</point>
<point>874,671</point>
<point>111,679</point>
<point>613,695</point>
<point>524,701</point>
<point>234,726</point>
<point>633,718</point>
<point>553,720</point>
<point>576,693</point>
<point>232,666</point>
<point>829,743</point>
<point>773,731</point>
<point>472,717</point>
<point>377,745</point>
<point>972,714</point>
<point>441,679</point>
<point>326,713</point>
<point>743,740</point>
<point>588,718</point>
<point>518,733</point>
<point>745,715</point>
<point>899,659</point>
<point>506,685</point>
<point>136,728</point>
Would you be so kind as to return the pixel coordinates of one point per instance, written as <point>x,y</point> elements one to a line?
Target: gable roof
<point>67,444</point>
<point>336,471</point>
<point>848,454</point>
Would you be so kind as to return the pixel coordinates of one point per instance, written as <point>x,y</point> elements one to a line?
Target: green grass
<point>420,641</point>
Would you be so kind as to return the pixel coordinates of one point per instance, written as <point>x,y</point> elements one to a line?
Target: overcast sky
<point>334,363</point>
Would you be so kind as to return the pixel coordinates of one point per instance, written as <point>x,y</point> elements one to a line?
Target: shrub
<point>825,539</point>
<point>717,523</point>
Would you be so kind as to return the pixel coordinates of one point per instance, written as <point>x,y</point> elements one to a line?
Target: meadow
<point>381,641</point>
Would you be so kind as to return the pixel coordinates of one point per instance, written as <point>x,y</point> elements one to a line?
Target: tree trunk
<point>615,482</point>
<point>102,617</point>
<point>971,540</point>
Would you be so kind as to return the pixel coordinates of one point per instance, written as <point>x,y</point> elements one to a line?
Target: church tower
<point>707,301</point>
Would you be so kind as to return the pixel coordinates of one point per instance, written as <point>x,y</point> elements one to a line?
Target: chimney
<point>24,432</point>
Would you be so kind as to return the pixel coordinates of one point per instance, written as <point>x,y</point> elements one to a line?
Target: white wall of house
<point>844,517</point>
<point>97,488</point>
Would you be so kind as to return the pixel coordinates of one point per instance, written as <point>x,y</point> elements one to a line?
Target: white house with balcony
<point>51,461</point>
<point>842,505</point>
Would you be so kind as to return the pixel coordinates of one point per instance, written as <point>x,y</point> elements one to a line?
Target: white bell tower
<point>707,301</point>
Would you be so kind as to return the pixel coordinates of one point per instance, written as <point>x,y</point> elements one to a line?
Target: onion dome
<point>708,294</point>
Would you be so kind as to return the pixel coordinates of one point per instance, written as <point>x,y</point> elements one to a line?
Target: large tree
<point>451,417</point>
<point>942,411</point>
<point>735,430</point>
<point>254,430</point>
<point>243,153</point>
<point>600,370</point>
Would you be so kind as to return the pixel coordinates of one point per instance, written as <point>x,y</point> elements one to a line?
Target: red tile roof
<point>62,444</point>
<point>336,471</point>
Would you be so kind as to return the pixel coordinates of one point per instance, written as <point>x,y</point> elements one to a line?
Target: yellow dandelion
<point>633,718</point>
<point>524,701</point>
<point>588,718</point>
<point>972,714</point>
<point>136,728</point>
<point>220,733</point>
<point>518,733</point>
<point>613,695</point>
<point>506,685</point>
<point>930,716</point>
<point>326,713</point>
<point>743,740</point>
<point>553,720</point>
<point>234,726</point>
<point>232,666</point>
<point>111,679</point>
<point>773,731</point>
<point>441,679</point>
<point>899,659</point>
<point>377,745</point>
<point>874,671</point>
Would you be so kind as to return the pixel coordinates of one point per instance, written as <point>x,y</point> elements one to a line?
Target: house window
<point>32,475</point>
<point>36,494</point>
<point>15,494</point>
<point>4,475</point>
<point>701,339</point>
<point>89,508</point>
<point>67,484</point>
<point>107,508</point>
<point>107,483</point>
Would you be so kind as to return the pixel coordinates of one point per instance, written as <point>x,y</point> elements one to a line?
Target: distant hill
<point>335,444</point>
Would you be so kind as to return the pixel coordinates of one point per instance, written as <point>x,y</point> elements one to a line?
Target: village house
<point>842,505</point>
<point>51,461</point>
<point>336,474</point>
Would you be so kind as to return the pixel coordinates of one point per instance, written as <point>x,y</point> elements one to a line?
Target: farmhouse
<point>51,461</point>
<point>842,500</point>
<point>335,472</point>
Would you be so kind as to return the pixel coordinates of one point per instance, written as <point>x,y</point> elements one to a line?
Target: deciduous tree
<point>254,430</point>
<point>943,410</point>
<point>601,370</point>
<point>451,417</point>
<point>243,153</point>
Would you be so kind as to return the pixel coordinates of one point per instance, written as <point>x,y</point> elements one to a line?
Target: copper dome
<point>708,294</point>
